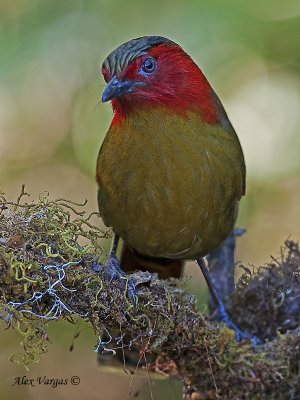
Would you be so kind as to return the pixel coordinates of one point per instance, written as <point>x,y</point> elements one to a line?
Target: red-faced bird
<point>171,169</point>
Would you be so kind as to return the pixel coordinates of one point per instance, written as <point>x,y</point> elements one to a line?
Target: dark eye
<point>149,65</point>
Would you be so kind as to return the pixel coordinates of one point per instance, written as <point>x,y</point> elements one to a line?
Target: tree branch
<point>52,267</point>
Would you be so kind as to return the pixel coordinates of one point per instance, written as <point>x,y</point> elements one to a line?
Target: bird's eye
<point>149,65</point>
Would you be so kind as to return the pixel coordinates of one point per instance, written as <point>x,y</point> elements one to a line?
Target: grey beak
<point>116,88</point>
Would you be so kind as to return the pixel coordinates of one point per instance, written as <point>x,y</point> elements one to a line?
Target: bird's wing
<point>226,124</point>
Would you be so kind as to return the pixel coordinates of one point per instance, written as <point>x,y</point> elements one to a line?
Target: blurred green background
<point>50,131</point>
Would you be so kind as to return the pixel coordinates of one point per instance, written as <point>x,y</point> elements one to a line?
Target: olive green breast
<point>169,185</point>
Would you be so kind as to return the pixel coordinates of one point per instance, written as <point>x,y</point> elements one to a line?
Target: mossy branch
<point>51,267</point>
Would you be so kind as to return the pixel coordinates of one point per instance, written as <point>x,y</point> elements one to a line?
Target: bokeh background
<point>50,131</point>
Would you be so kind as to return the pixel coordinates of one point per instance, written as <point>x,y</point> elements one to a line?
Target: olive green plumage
<point>169,184</point>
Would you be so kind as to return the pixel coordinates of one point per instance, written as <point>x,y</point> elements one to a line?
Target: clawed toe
<point>132,291</point>
<point>113,270</point>
<point>239,335</point>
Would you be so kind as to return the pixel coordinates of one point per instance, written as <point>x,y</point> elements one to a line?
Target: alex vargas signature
<point>44,380</point>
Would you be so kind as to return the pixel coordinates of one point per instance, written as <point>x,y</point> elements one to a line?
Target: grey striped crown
<point>128,51</point>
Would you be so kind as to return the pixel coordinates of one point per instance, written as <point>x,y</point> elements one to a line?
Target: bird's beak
<point>117,88</point>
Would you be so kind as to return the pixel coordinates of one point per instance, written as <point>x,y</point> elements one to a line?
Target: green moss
<point>267,300</point>
<point>51,268</point>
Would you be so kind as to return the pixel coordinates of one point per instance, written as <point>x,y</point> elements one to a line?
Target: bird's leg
<point>114,270</point>
<point>223,315</point>
<point>221,268</point>
<point>112,264</point>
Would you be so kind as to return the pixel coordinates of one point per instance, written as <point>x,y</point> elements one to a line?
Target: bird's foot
<point>221,312</point>
<point>113,270</point>
<point>239,334</point>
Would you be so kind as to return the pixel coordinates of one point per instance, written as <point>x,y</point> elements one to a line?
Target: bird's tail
<point>166,268</point>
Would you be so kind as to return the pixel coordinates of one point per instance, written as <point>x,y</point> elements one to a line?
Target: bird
<point>170,170</point>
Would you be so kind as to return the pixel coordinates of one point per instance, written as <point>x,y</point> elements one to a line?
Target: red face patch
<point>176,83</point>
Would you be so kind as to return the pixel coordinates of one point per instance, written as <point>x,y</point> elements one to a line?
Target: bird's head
<point>155,71</point>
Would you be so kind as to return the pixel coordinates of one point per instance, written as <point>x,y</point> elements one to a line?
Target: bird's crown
<point>118,59</point>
